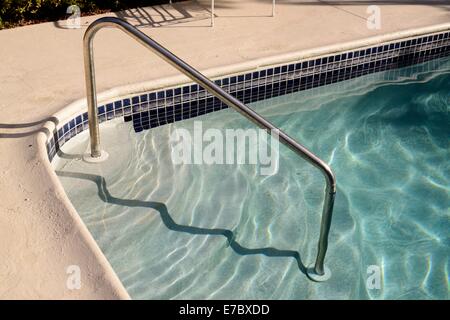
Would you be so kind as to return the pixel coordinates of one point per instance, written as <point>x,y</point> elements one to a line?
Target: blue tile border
<point>166,106</point>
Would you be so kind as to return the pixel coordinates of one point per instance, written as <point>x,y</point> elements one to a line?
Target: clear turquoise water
<point>225,232</point>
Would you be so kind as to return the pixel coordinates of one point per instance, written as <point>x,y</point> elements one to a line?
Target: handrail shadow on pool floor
<point>105,196</point>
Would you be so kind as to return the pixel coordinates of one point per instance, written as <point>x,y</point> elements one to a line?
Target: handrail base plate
<point>311,273</point>
<point>90,159</point>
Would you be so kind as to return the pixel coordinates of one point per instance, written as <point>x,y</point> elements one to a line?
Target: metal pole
<point>89,76</point>
<point>318,272</point>
<point>212,13</point>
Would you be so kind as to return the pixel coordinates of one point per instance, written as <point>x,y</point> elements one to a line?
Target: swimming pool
<point>226,232</point>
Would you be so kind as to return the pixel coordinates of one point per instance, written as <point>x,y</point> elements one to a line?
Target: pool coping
<point>126,91</point>
<point>121,92</point>
<point>109,272</point>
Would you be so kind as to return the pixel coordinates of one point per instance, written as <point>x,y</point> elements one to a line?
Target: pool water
<point>227,232</point>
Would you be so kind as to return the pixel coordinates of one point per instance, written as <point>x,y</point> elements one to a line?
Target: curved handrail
<point>318,271</point>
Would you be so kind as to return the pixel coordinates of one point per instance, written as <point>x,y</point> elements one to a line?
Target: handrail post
<point>318,272</point>
<point>96,155</point>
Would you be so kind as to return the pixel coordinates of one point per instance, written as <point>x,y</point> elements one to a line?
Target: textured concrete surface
<point>42,72</point>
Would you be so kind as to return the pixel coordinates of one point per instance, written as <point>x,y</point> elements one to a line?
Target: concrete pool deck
<point>42,72</point>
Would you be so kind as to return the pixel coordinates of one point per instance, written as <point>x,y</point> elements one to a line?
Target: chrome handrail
<point>317,272</point>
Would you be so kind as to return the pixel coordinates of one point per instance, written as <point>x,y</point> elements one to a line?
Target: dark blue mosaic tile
<point>134,100</point>
<point>144,97</point>
<point>154,109</point>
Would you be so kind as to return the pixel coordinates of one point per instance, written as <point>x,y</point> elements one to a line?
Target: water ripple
<point>224,232</point>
